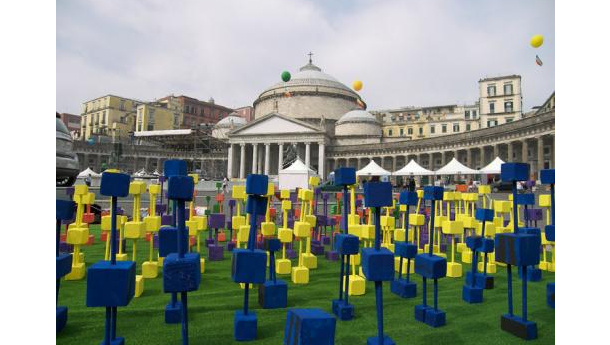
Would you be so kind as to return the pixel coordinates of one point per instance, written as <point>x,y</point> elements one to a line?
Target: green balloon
<point>286,76</point>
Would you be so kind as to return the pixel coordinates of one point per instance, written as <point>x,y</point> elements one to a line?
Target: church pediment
<point>275,124</point>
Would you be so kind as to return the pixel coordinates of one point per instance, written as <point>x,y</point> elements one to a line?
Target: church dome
<point>358,123</point>
<point>224,126</point>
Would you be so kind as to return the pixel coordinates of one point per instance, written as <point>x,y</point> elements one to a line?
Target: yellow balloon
<point>537,41</point>
<point>357,85</point>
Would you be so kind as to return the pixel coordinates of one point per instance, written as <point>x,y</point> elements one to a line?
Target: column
<point>159,165</point>
<point>496,151</point>
<point>321,161</point>
<point>552,151</point>
<point>482,156</point>
<point>254,157</point>
<point>85,161</point>
<point>307,154</point>
<point>510,152</point>
<point>267,154</point>
<point>280,159</point>
<point>382,161</point>
<point>230,162</point>
<point>146,161</point>
<point>242,161</point>
<point>524,151</point>
<point>469,158</point>
<point>456,155</point>
<point>540,154</point>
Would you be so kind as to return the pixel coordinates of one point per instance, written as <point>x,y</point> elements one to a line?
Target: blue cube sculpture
<point>474,242</point>
<point>244,326</point>
<point>405,249</point>
<point>180,188</point>
<point>174,167</point>
<point>61,318</point>
<point>484,215</point>
<point>181,274</point>
<point>487,246</point>
<point>549,232</point>
<point>173,313</point>
<point>114,184</point>
<point>256,204</point>
<point>344,311</point>
<point>168,241</point>
<point>257,184</point>
<point>347,244</point>
<point>404,288</point>
<point>435,317</point>
<point>481,280</point>
<point>526,199</point>
<point>547,176</point>
<point>550,295</point>
<point>345,176</point>
<point>64,209</point>
<point>63,265</point>
<point>273,295</point>
<point>517,249</point>
<point>248,266</point>
<point>309,327</point>
<point>516,325</point>
<point>433,193</point>
<point>378,265</point>
<point>430,266</point>
<point>272,244</point>
<point>111,285</point>
<point>514,172</point>
<point>378,194</point>
<point>472,294</point>
<point>408,198</point>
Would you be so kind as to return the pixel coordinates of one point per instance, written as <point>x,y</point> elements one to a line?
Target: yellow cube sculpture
<point>402,208</point>
<point>314,181</point>
<point>388,222</point>
<point>353,219</point>
<point>285,194</point>
<point>192,226</point>
<point>302,229</point>
<point>448,196</point>
<point>283,266</point>
<point>153,223</point>
<point>135,230</point>
<point>285,235</point>
<point>502,206</point>
<point>467,256</point>
<point>88,198</point>
<point>454,269</point>
<point>309,260</point>
<point>400,235</point>
<point>438,221</point>
<point>300,275</point>
<point>139,286</point>
<point>484,189</point>
<point>490,229</point>
<point>367,231</point>
<point>420,193</point>
<point>268,228</point>
<point>355,229</point>
<point>137,187</point>
<point>453,227</point>
<point>491,267</point>
<point>417,219</point>
<point>404,265</point>
<point>237,222</point>
<point>150,269</point>
<point>239,192</point>
<point>357,285</point>
<point>105,223</point>
<point>311,219</point>
<point>202,222</point>
<point>81,189</point>
<point>469,222</point>
<point>77,236</point>
<point>286,205</point>
<point>544,200</point>
<point>77,273</point>
<point>242,233</point>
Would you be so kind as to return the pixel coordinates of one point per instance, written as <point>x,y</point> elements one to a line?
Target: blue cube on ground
<point>408,198</point>
<point>181,274</point>
<point>63,265</point>
<point>433,193</point>
<point>378,265</point>
<point>256,204</point>
<point>273,295</point>
<point>378,194</point>
<point>549,232</point>
<point>547,176</point>
<point>248,266</point>
<point>404,289</point>
<point>487,246</point>
<point>514,172</point>
<point>180,188</point>
<point>550,295</point>
<point>61,318</point>
<point>435,317</point>
<point>526,199</point>
<point>484,215</point>
<point>216,221</point>
<point>420,312</point>
<point>375,340</point>
<point>168,241</point>
<point>483,281</point>
<point>114,184</point>
<point>472,294</point>
<point>347,244</point>
<point>174,167</point>
<point>516,326</point>
<point>405,249</point>
<point>343,311</point>
<point>517,249</point>
<point>257,184</point>
<point>111,285</point>
<point>430,266</point>
<point>534,274</point>
<point>64,209</point>
<point>272,244</point>
<point>309,327</point>
<point>345,176</point>
<point>474,242</point>
<point>244,326</point>
<point>173,313</point>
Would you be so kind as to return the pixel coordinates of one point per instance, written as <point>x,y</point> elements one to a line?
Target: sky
<point>407,53</point>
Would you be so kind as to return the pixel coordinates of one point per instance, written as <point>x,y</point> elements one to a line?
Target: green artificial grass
<point>211,309</point>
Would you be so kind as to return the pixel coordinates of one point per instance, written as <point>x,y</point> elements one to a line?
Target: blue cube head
<point>309,327</point>
<point>257,184</point>
<point>430,266</point>
<point>114,184</point>
<point>529,231</point>
<point>487,246</point>
<point>408,198</point>
<point>347,244</point>
<point>526,199</point>
<point>474,242</point>
<point>64,209</point>
<point>181,274</point>
<point>168,241</point>
<point>517,249</point>
<point>514,172</point>
<point>484,215</point>
<point>377,265</point>
<point>547,176</point>
<point>433,193</point>
<point>345,176</point>
<point>405,249</point>
<point>272,244</point>
<point>63,265</point>
<point>216,221</point>
<point>174,167</point>
<point>248,266</point>
<point>549,232</point>
<point>180,188</point>
<point>111,285</point>
<point>378,194</point>
<point>256,204</point>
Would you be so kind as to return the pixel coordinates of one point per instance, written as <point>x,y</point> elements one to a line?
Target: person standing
<point>411,184</point>
<point>88,180</point>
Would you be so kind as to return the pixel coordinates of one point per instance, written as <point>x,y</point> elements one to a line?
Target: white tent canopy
<point>455,168</point>
<point>494,167</point>
<point>88,172</point>
<point>141,173</point>
<point>296,175</point>
<point>372,169</point>
<point>412,168</point>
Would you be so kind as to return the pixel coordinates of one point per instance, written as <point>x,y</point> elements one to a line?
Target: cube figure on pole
<point>547,176</point>
<point>248,265</point>
<point>273,293</point>
<point>64,210</point>
<point>533,273</point>
<point>517,249</point>
<point>431,266</point>
<point>405,250</point>
<point>309,327</point>
<point>471,291</point>
<point>345,245</point>
<point>377,262</point>
<point>111,284</point>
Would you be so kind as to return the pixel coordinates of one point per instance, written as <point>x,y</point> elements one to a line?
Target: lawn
<point>211,310</point>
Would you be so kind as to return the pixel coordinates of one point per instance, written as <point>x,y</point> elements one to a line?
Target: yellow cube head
<point>137,188</point>
<point>403,208</point>
<point>300,194</point>
<point>473,197</point>
<point>416,219</point>
<point>484,189</point>
<point>154,189</point>
<point>301,229</point>
<point>88,198</point>
<point>285,235</point>
<point>106,223</point>
<point>237,222</point>
<point>388,222</point>
<point>270,189</point>
<point>354,229</point>
<point>150,269</point>
<point>453,227</point>
<point>112,170</point>
<point>448,196</point>
<point>311,219</point>
<point>192,226</point>
<point>420,193</point>
<point>81,189</point>
<point>307,194</point>
<point>153,223</point>
<point>77,236</point>
<point>135,230</point>
<point>502,206</point>
<point>286,205</point>
<point>510,197</point>
<point>355,259</point>
<point>310,261</point>
<point>469,222</point>
<point>300,275</point>
<point>544,200</point>
<point>283,266</point>
<point>400,235</point>
<point>314,181</point>
<point>367,231</point>
<point>139,286</point>
<point>490,229</point>
<point>121,220</point>
<point>498,222</point>
<point>285,193</point>
<point>268,228</point>
<point>439,220</point>
<point>195,178</point>
<point>202,222</point>
<point>353,219</point>
<point>243,232</point>
<point>239,192</point>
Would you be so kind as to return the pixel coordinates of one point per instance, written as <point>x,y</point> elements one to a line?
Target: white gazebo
<point>492,168</point>
<point>373,169</point>
<point>454,167</point>
<point>296,175</point>
<point>88,172</point>
<point>412,168</point>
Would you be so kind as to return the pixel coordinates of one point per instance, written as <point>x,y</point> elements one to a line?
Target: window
<point>151,116</point>
<point>456,127</point>
<point>444,130</point>
<point>104,117</point>
<point>467,114</point>
<point>431,129</point>
<point>547,150</point>
<point>389,132</point>
<point>122,105</point>
<point>492,107</point>
<point>176,120</point>
<point>508,106</point>
<point>508,89</point>
<point>410,130</point>
<point>509,119</point>
<point>402,132</point>
<point>492,123</point>
<point>140,115</point>
<point>421,131</point>
<point>467,127</point>
<point>491,90</point>
<point>474,114</point>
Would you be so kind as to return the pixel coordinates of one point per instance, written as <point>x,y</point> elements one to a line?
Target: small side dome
<point>229,123</point>
<point>358,116</point>
<point>358,123</point>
